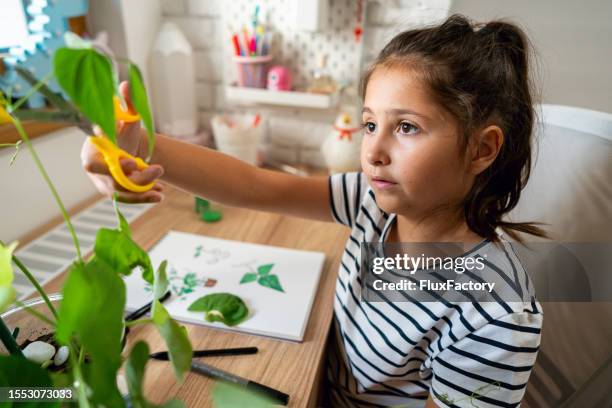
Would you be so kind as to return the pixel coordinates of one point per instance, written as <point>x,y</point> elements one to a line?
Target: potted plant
<point>91,347</point>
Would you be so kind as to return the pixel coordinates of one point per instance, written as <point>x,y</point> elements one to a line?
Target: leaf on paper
<point>221,307</point>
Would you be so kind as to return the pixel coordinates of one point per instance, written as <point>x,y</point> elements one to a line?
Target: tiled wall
<point>293,135</point>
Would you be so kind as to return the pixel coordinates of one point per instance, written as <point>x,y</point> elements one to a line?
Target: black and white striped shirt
<point>384,354</point>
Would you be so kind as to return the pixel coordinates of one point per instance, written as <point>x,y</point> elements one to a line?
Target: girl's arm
<point>430,403</point>
<point>216,176</point>
<point>209,174</point>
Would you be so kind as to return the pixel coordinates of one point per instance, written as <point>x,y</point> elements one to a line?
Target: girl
<point>446,152</point>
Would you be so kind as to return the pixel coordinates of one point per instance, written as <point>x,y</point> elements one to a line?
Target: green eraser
<point>211,216</point>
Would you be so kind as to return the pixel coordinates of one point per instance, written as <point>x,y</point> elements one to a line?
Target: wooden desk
<point>294,368</point>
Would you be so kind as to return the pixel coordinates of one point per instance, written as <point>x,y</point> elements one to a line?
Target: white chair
<point>570,189</point>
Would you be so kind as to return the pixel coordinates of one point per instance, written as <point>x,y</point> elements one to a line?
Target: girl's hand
<point>129,138</point>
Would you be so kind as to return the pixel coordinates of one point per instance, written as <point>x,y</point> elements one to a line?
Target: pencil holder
<point>238,135</point>
<point>252,71</point>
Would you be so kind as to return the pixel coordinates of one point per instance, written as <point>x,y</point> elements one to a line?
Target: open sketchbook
<point>279,305</point>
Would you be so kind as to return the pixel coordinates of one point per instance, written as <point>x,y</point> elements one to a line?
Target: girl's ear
<point>487,145</point>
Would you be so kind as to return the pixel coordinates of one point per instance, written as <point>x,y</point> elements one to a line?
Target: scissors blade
<point>85,125</point>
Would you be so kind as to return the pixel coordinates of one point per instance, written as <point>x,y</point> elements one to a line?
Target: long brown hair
<point>478,73</point>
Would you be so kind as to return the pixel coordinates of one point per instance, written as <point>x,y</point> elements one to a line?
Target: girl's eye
<point>407,128</point>
<point>369,127</point>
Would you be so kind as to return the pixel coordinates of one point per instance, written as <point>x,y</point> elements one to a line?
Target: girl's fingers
<point>96,167</point>
<point>124,89</point>
<point>128,166</point>
<point>108,186</point>
<point>92,160</point>
<point>134,198</point>
<point>146,176</point>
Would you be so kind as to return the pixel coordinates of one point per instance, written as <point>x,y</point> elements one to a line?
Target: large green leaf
<point>117,249</point>
<point>17,372</point>
<point>160,284</point>
<point>87,77</point>
<point>221,307</point>
<point>138,95</point>
<point>176,338</point>
<point>91,311</point>
<point>135,371</point>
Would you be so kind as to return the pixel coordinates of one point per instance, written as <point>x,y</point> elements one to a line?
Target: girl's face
<point>411,152</point>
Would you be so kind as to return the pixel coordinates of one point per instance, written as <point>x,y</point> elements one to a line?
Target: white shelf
<point>289,98</point>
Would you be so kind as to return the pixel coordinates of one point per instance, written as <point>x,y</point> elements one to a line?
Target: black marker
<point>163,355</point>
<point>213,372</point>
<point>145,309</point>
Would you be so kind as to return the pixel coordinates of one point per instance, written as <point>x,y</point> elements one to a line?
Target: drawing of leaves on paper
<point>263,270</point>
<point>248,277</point>
<point>190,280</point>
<point>270,281</point>
<point>214,255</point>
<point>181,285</point>
<point>263,277</point>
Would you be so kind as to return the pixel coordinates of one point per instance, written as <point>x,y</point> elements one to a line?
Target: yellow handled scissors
<point>113,154</point>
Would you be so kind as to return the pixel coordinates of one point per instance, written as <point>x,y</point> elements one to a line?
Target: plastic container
<point>31,327</point>
<point>252,71</point>
<point>239,136</point>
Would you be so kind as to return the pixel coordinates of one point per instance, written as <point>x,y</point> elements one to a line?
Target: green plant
<point>94,286</point>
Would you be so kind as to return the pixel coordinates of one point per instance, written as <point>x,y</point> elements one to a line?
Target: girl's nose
<point>376,154</point>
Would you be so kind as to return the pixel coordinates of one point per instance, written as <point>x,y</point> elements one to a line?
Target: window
<point>13,24</point>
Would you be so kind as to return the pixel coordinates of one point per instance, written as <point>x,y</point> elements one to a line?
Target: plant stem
<point>37,314</point>
<point>9,341</point>
<point>139,321</point>
<point>42,170</point>
<point>31,92</point>
<point>78,376</point>
<point>34,282</point>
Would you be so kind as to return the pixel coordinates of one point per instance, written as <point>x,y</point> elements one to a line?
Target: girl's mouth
<point>382,184</point>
